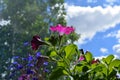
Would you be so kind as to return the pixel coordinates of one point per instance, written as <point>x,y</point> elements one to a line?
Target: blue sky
<point>98,22</point>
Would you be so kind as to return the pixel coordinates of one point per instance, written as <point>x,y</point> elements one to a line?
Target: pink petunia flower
<point>69,30</point>
<point>62,29</point>
<point>81,58</point>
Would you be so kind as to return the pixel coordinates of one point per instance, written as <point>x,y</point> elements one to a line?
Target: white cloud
<point>115,34</point>
<point>100,57</point>
<point>116,48</point>
<point>88,21</point>
<point>91,1</point>
<point>111,1</point>
<point>111,34</point>
<point>104,50</point>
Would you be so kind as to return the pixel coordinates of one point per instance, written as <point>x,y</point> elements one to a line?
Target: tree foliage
<point>27,18</point>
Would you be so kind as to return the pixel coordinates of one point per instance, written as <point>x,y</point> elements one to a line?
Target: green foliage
<point>67,59</point>
<point>108,59</point>
<point>57,73</point>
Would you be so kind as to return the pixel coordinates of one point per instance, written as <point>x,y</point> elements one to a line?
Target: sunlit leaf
<point>109,59</point>
<point>70,50</point>
<point>61,63</point>
<point>53,53</point>
<point>114,63</point>
<point>88,56</point>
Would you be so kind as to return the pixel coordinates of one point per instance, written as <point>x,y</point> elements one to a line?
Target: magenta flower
<point>62,29</point>
<point>69,30</point>
<point>81,58</point>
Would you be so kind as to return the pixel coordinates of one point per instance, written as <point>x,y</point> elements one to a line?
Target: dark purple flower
<point>95,61</point>
<point>24,77</point>
<point>41,60</point>
<point>36,42</point>
<point>35,79</point>
<point>29,71</point>
<point>11,75</point>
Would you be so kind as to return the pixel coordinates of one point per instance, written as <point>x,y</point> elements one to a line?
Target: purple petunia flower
<point>26,43</point>
<point>16,63</point>
<point>46,70</point>
<point>29,71</point>
<point>15,57</point>
<point>38,54</point>
<point>45,63</point>
<point>19,66</point>
<point>30,65</point>
<point>30,58</point>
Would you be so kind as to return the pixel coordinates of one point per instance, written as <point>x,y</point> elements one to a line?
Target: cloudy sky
<point>98,22</point>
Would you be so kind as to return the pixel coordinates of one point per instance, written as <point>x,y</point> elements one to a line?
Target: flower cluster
<point>28,66</point>
<point>62,29</point>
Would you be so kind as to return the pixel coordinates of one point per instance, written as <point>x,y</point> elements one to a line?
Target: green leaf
<point>61,63</point>
<point>98,69</point>
<point>85,69</point>
<point>53,40</point>
<point>78,69</point>
<point>88,56</point>
<point>119,69</point>
<point>57,73</point>
<point>103,68</point>
<point>114,63</point>
<point>46,39</point>
<point>70,50</point>
<point>109,59</point>
<point>112,73</point>
<point>53,53</point>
